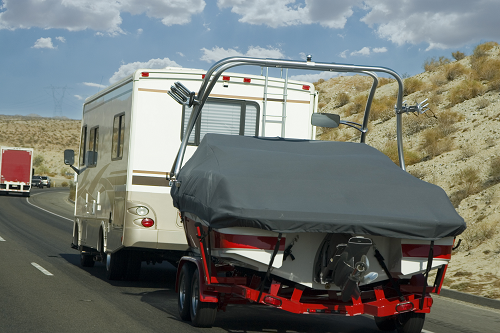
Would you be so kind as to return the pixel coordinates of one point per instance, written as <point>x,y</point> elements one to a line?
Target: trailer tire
<point>184,294</point>
<point>202,313</point>
<point>115,265</point>
<point>410,322</point>
<point>386,323</point>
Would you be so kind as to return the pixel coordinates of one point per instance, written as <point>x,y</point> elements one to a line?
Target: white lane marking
<point>41,269</point>
<point>1,239</point>
<point>426,331</point>
<point>47,210</point>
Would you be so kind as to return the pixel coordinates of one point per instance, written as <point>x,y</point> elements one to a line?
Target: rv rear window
<point>233,117</point>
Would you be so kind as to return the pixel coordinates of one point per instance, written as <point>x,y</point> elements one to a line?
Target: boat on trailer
<point>311,227</point>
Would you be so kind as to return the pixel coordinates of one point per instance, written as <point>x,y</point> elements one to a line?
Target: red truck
<point>15,170</point>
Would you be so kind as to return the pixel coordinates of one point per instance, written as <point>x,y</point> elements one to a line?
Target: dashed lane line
<point>1,239</point>
<point>41,269</point>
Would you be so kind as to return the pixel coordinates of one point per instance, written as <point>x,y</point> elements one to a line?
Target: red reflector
<point>272,301</point>
<point>306,87</point>
<point>203,76</point>
<point>147,222</point>
<point>145,74</point>
<point>404,307</point>
<point>247,80</point>
<point>226,78</point>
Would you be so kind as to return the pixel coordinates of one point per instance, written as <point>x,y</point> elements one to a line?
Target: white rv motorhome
<point>123,209</point>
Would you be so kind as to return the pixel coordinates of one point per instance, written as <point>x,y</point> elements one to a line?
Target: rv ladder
<point>273,118</point>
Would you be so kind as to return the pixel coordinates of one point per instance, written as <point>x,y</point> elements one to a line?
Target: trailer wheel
<point>410,322</point>
<point>184,296</point>
<point>202,313</point>
<point>386,323</point>
<point>115,265</point>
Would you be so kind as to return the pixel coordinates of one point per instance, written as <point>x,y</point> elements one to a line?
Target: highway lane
<point>81,299</point>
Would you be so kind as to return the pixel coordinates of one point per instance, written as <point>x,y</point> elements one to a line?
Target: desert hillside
<point>455,145</point>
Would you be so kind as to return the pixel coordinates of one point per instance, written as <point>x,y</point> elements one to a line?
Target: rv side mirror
<point>69,157</point>
<point>91,158</point>
<point>329,120</point>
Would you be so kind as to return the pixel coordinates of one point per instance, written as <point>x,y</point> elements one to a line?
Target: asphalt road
<point>44,289</point>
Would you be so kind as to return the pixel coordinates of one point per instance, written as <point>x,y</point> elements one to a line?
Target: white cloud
<point>78,97</point>
<point>380,49</point>
<point>44,43</point>
<point>180,54</point>
<point>140,31</point>
<point>364,51</point>
<point>218,53</point>
<point>61,39</point>
<point>279,13</point>
<point>102,15</point>
<point>314,77</point>
<point>97,85</point>
<point>343,54</point>
<point>127,69</point>
<point>440,24</point>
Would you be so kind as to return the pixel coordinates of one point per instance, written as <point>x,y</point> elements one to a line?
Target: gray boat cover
<point>288,186</point>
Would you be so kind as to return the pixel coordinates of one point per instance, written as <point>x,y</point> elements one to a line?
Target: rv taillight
<point>145,74</point>
<point>147,222</point>
<point>404,307</point>
<point>226,78</point>
<point>247,80</point>
<point>306,87</point>
<point>272,301</point>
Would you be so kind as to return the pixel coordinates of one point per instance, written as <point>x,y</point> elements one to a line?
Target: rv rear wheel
<point>202,313</point>
<point>410,322</point>
<point>184,296</point>
<point>115,265</point>
<point>386,323</point>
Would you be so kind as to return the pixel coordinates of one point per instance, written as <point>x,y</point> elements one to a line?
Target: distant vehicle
<point>15,170</point>
<point>36,181</point>
<point>123,210</point>
<point>46,181</point>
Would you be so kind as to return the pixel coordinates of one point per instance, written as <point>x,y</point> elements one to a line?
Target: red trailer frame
<point>223,285</point>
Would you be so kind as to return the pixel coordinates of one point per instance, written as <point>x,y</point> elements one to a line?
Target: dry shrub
<point>470,184</point>
<point>382,108</point>
<point>432,64</point>
<point>447,120</point>
<point>495,169</point>
<point>391,150</point>
<point>482,49</point>
<point>321,105</point>
<point>435,143</point>
<point>458,55</point>
<point>343,99</point>
<point>382,81</point>
<point>454,70</point>
<point>357,105</point>
<point>494,85</point>
<point>411,85</point>
<point>413,124</point>
<point>478,233</point>
<point>482,103</point>
<point>439,79</point>
<point>64,184</point>
<point>467,151</point>
<point>487,69</point>
<point>465,90</point>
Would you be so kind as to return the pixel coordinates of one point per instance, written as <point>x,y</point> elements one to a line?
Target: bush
<point>38,161</point>
<point>343,99</point>
<point>464,91</point>
<point>432,64</point>
<point>487,69</point>
<point>495,168</point>
<point>458,55</point>
<point>391,150</point>
<point>383,108</point>
<point>446,122</point>
<point>482,49</point>
<point>454,70</point>
<point>382,81</point>
<point>434,142</point>
<point>64,184</point>
<point>412,85</point>
<point>357,105</point>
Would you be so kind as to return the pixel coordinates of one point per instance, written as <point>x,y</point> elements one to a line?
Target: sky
<point>56,53</point>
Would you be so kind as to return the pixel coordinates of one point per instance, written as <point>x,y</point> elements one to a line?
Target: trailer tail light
<point>304,87</point>
<point>272,301</point>
<point>203,76</point>
<point>147,222</point>
<point>404,307</point>
<point>145,74</point>
<point>247,80</point>
<point>226,78</point>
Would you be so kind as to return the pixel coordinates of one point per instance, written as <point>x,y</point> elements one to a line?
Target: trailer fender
<point>205,295</point>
